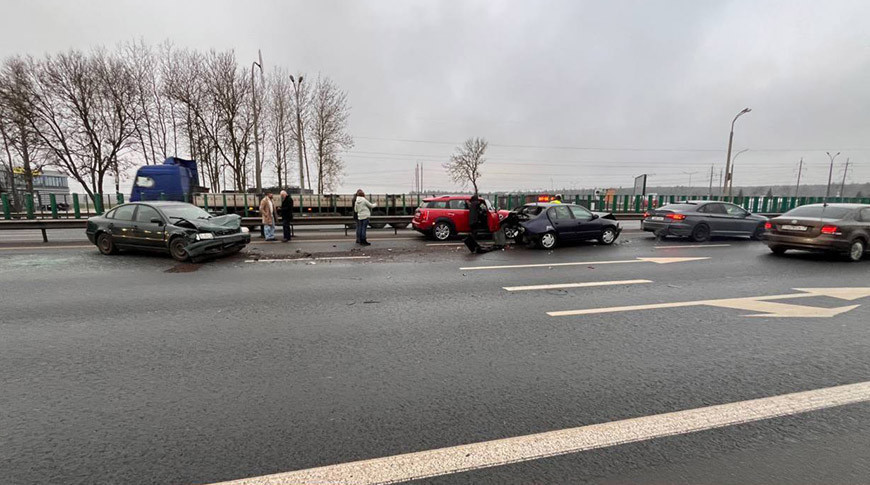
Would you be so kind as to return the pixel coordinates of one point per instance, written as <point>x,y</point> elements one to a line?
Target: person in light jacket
<point>267,215</point>
<point>362,208</point>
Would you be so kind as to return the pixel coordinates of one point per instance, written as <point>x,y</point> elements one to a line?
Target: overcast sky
<point>568,93</point>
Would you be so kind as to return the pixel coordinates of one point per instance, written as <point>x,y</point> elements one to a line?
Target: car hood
<point>219,223</point>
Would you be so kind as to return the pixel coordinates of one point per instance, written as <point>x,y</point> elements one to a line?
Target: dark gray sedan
<point>702,219</point>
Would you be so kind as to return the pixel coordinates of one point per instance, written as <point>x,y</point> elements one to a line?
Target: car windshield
<point>829,212</point>
<point>185,211</point>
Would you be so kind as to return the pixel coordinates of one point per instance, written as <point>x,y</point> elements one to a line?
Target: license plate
<point>656,218</point>
<point>788,227</point>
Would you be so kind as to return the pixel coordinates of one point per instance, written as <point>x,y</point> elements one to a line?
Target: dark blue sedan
<point>547,225</point>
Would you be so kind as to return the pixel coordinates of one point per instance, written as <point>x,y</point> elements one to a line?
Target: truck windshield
<point>185,212</point>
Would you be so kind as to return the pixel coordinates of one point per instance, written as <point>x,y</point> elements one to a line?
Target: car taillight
<point>831,230</point>
<point>676,217</point>
<point>646,214</point>
<point>768,226</point>
<point>424,215</point>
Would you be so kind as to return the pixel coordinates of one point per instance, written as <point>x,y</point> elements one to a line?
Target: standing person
<point>362,208</point>
<point>286,215</point>
<point>267,215</point>
<point>558,199</point>
<point>474,213</point>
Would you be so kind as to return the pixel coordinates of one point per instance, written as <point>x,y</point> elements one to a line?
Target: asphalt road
<point>133,369</point>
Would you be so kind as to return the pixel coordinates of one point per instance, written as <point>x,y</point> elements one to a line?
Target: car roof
<point>844,205</point>
<point>547,204</point>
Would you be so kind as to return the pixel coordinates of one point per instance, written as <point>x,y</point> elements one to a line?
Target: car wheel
<point>701,233</point>
<point>176,249</point>
<point>778,250</point>
<point>856,250</point>
<point>608,235</point>
<point>547,240</point>
<point>758,234</point>
<point>106,244</point>
<point>442,231</point>
<point>511,232</point>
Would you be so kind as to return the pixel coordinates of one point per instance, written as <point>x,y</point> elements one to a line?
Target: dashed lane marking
<point>693,246</point>
<point>293,260</point>
<point>575,285</point>
<point>582,263</point>
<point>487,454</point>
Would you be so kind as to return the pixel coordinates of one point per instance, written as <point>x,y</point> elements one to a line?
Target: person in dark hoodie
<point>286,215</point>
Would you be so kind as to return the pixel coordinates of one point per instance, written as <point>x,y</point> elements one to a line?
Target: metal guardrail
<point>249,222</point>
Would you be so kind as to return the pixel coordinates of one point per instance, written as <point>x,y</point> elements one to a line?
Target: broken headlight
<point>204,235</point>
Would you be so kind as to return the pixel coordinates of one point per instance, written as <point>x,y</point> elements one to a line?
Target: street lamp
<point>830,174</point>
<point>733,163</point>
<point>297,88</point>
<point>258,169</point>
<point>727,185</point>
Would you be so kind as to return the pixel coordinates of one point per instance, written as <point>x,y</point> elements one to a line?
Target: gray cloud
<point>618,75</point>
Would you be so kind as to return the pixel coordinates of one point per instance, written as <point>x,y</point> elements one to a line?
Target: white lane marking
<point>445,244</point>
<point>487,454</point>
<point>754,303</point>
<point>581,263</point>
<point>293,260</point>
<point>575,285</point>
<point>694,246</point>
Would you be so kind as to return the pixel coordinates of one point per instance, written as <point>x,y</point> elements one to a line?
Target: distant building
<point>47,182</point>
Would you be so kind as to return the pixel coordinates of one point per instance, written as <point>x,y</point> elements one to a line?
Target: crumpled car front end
<point>215,236</point>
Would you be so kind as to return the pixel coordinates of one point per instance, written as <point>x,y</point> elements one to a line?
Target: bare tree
<point>280,122</point>
<point>464,165</point>
<point>16,112</point>
<point>328,132</point>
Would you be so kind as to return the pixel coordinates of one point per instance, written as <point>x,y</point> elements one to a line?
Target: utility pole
<point>258,166</point>
<point>843,184</point>
<point>421,176</point>
<point>726,186</point>
<point>830,174</point>
<point>710,194</point>
<point>690,177</point>
<point>296,88</point>
<point>797,189</point>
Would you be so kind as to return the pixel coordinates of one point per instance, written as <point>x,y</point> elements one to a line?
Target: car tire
<point>608,236</point>
<point>176,249</point>
<point>511,232</point>
<point>758,234</point>
<point>548,240</point>
<point>701,233</point>
<point>442,231</point>
<point>106,244</point>
<point>778,250</point>
<point>856,250</point>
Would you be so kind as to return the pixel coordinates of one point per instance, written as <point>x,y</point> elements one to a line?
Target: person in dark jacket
<point>286,215</point>
<point>474,213</point>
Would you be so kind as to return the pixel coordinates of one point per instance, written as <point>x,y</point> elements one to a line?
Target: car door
<point>588,226</point>
<point>739,220</point>
<point>121,226</point>
<point>717,218</point>
<point>563,222</point>
<point>457,211</point>
<point>145,232</point>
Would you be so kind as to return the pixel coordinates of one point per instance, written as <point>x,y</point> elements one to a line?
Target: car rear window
<point>679,207</point>
<point>436,204</point>
<point>829,212</point>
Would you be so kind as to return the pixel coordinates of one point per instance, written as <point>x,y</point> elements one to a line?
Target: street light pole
<point>726,185</point>
<point>733,163</point>
<point>258,168</point>
<point>830,174</point>
<point>296,88</point>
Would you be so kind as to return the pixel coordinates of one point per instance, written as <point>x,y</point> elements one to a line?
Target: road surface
<point>135,369</point>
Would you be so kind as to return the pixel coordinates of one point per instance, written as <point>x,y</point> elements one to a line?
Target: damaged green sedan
<point>184,230</point>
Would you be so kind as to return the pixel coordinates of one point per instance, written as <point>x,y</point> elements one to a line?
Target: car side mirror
<point>157,220</point>
<point>594,216</point>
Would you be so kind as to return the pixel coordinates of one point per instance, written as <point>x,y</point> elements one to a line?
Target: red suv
<point>445,216</point>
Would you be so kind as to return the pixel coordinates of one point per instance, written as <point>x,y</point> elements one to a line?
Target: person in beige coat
<point>267,215</point>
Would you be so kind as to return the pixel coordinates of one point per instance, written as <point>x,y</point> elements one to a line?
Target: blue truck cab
<point>175,179</point>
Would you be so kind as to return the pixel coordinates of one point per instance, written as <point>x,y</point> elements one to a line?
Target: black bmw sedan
<point>183,230</point>
<point>547,225</point>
